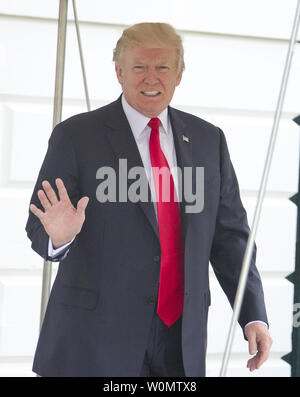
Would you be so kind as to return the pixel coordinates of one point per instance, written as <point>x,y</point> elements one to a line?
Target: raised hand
<point>61,220</point>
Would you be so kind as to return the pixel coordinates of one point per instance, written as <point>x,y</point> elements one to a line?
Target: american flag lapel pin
<point>185,139</point>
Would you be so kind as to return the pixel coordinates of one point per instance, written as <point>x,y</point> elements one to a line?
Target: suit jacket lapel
<point>183,148</point>
<point>124,146</point>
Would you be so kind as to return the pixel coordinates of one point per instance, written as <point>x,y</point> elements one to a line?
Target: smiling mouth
<point>151,93</point>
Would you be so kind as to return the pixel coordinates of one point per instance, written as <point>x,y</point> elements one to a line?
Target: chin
<point>152,112</point>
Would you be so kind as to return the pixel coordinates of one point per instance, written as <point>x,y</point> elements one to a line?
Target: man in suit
<point>131,295</point>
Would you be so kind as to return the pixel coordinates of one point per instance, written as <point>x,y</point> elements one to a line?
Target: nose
<point>151,77</point>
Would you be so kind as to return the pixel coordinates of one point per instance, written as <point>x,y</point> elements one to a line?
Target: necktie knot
<point>154,123</point>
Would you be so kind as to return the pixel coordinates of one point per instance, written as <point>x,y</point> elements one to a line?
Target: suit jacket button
<point>156,258</point>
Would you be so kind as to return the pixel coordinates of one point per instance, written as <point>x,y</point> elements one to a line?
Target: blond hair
<point>151,35</point>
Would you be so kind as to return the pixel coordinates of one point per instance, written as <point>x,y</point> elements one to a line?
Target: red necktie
<point>171,284</point>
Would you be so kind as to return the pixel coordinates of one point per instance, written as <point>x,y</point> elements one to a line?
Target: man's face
<point>148,77</point>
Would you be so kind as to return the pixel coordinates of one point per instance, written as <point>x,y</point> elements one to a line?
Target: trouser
<point>163,355</point>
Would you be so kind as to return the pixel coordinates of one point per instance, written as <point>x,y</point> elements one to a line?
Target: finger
<point>260,361</point>
<point>263,353</point>
<point>81,205</point>
<point>50,192</point>
<point>62,191</point>
<point>36,211</point>
<point>251,364</point>
<point>252,343</point>
<point>257,361</point>
<point>43,199</point>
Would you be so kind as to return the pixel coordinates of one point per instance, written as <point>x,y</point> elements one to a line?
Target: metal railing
<point>57,112</point>
<point>261,193</point>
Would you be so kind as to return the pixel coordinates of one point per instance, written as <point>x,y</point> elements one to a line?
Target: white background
<point>234,52</point>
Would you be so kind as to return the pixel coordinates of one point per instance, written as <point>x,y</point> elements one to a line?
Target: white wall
<point>235,53</point>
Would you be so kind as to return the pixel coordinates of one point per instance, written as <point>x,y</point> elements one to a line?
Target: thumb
<point>81,205</point>
<point>252,343</point>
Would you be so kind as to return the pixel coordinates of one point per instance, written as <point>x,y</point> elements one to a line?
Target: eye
<point>138,68</point>
<point>163,68</point>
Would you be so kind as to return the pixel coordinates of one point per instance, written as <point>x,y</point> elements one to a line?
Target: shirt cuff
<point>54,252</point>
<point>256,321</point>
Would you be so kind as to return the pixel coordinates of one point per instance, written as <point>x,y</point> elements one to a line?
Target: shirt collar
<point>138,122</point>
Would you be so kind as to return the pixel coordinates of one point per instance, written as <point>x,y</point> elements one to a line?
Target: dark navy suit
<point>103,299</point>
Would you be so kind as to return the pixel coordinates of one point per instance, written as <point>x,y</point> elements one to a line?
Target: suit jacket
<point>102,301</point>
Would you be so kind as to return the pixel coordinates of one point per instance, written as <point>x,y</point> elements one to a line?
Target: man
<point>131,295</point>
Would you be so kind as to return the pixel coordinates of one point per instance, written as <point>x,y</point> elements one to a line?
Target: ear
<point>119,73</point>
<point>178,79</point>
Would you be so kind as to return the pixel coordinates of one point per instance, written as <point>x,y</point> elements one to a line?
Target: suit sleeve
<point>59,162</point>
<point>229,245</point>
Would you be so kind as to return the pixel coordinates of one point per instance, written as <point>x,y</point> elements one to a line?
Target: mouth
<point>151,94</point>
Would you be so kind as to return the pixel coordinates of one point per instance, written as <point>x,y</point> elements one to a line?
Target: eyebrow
<point>161,61</point>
